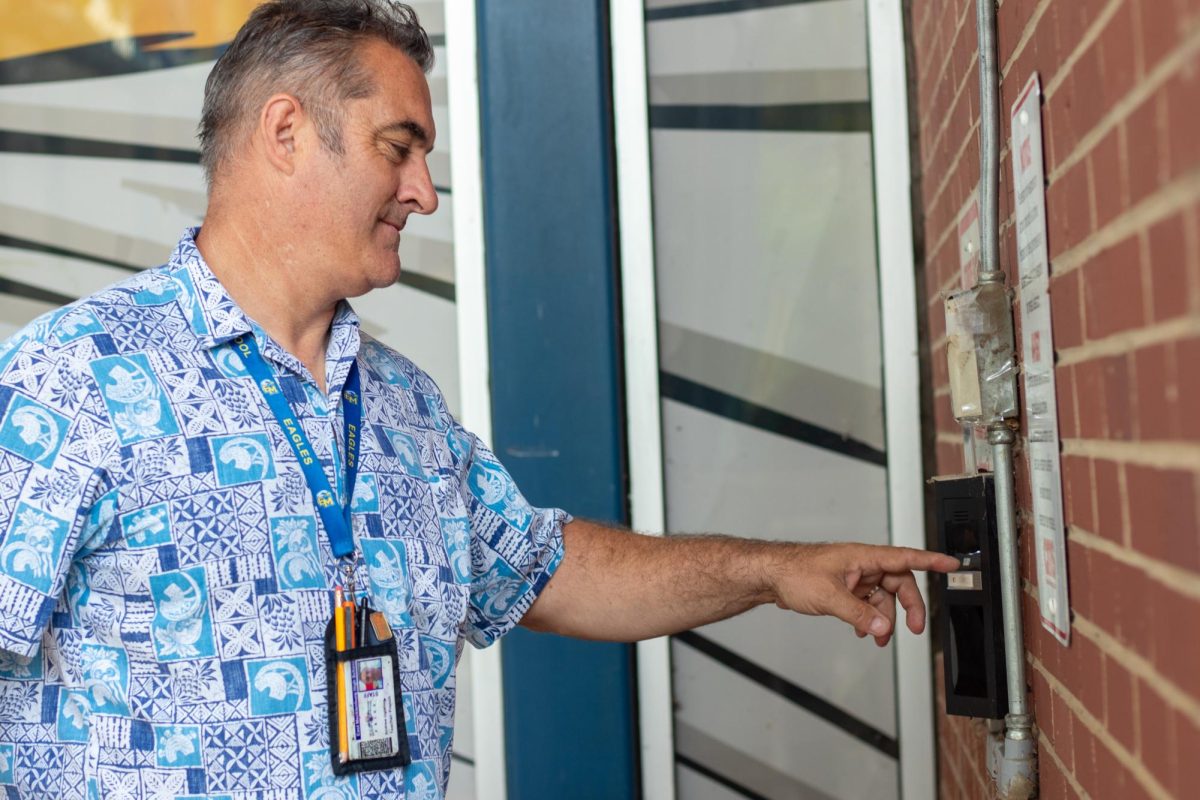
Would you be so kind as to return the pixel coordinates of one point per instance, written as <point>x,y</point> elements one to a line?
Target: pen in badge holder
<point>363,620</point>
<point>339,630</point>
<point>351,612</point>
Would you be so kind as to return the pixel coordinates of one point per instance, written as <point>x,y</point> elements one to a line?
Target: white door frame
<point>643,404</point>
<point>901,369</point>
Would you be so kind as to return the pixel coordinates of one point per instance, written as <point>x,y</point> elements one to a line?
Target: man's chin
<point>386,275</point>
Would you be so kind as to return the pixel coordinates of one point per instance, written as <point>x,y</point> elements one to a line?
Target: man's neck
<point>271,287</point>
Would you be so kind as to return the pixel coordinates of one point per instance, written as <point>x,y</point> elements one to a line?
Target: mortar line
<point>962,85</point>
<point>1090,36</point>
<point>1179,579</point>
<point>1172,695</point>
<point>1069,776</point>
<point>1142,90</point>
<point>1026,35</point>
<point>1126,342</point>
<point>1101,733</point>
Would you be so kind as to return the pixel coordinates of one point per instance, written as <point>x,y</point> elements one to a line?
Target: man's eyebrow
<point>417,131</point>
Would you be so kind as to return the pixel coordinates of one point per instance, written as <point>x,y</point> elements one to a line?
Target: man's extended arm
<point>617,585</point>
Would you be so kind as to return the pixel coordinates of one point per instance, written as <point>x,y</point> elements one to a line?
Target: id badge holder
<point>366,714</point>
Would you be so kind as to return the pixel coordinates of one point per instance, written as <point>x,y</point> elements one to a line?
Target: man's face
<point>359,202</point>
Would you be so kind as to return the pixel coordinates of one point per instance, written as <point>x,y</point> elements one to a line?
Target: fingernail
<point>879,626</point>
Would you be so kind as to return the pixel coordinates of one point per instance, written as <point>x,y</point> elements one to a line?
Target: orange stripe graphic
<point>39,26</point>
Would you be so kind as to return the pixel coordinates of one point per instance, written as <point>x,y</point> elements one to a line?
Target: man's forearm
<point>622,586</point>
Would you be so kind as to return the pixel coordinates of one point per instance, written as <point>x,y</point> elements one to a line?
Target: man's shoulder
<point>395,368</point>
<point>104,322</point>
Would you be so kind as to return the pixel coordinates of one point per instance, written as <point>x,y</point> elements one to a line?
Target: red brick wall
<point>1118,712</point>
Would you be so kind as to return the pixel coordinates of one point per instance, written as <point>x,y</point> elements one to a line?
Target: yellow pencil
<point>339,631</point>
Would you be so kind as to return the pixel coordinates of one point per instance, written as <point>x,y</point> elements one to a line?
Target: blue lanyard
<point>337,525</point>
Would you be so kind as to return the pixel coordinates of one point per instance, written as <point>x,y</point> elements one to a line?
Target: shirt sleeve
<point>515,547</point>
<point>51,455</point>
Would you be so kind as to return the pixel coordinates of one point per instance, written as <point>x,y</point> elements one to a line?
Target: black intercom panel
<point>972,621</point>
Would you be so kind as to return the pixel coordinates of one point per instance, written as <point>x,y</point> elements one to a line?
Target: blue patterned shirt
<point>165,582</point>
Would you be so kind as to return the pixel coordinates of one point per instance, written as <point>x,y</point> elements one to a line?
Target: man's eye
<point>400,151</point>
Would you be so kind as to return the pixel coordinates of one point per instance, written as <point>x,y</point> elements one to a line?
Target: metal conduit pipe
<point>989,145</point>
<point>1014,756</point>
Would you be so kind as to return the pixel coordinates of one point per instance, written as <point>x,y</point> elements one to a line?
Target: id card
<point>374,719</point>
<point>362,681</point>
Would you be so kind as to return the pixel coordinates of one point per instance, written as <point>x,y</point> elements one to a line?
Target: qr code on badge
<point>375,748</point>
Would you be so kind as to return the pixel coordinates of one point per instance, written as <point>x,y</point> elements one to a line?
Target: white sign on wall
<point>1037,342</point>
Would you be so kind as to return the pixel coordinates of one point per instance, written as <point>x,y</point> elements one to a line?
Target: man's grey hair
<point>306,48</point>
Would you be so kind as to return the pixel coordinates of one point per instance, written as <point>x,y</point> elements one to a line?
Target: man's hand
<point>621,586</point>
<point>857,583</point>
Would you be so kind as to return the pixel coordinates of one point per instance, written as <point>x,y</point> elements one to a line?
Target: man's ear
<point>281,115</point>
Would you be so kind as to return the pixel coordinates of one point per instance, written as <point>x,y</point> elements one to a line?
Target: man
<point>177,449</point>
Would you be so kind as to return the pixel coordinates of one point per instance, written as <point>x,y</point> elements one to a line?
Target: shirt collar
<point>216,319</point>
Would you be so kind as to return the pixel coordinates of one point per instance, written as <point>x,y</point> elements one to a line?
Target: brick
<point>1157,393</point>
<point>1110,512</point>
<point>947,24</point>
<point>1162,514</point>
<point>1156,726</point>
<point>1089,396</point>
<point>1132,788</point>
<point>938,368</point>
<point>1085,760</point>
<point>1062,729</point>
<point>1176,634</point>
<point>949,459</point>
<point>1113,290</point>
<point>1011,20</point>
<point>1068,210</point>
<point>1111,177</point>
<point>1080,581</point>
<point>1161,28</point>
<point>936,318</point>
<point>1077,491</point>
<point>1110,774</point>
<point>1118,397</point>
<point>1085,98</point>
<point>943,414</point>
<point>1146,149</point>
<point>1119,718</point>
<point>1072,21</point>
<point>961,54</point>
<point>1088,675</point>
<point>1051,781</point>
<point>946,785</point>
<point>1068,421</point>
<point>1119,602</point>
<point>1187,356</point>
<point>1065,310</point>
<point>1183,118</point>
<point>1169,267</point>
<point>1187,750</point>
<point>1035,637</point>
<point>1117,53</point>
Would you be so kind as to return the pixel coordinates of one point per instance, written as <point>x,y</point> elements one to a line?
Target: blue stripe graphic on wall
<point>839,717</point>
<point>54,145</point>
<point>19,243</point>
<point>714,401</point>
<point>851,117</point>
<point>719,7</point>
<point>717,777</point>
<point>28,291</point>
<point>413,280</point>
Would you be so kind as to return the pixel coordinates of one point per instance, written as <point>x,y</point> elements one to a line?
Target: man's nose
<point>418,190</point>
